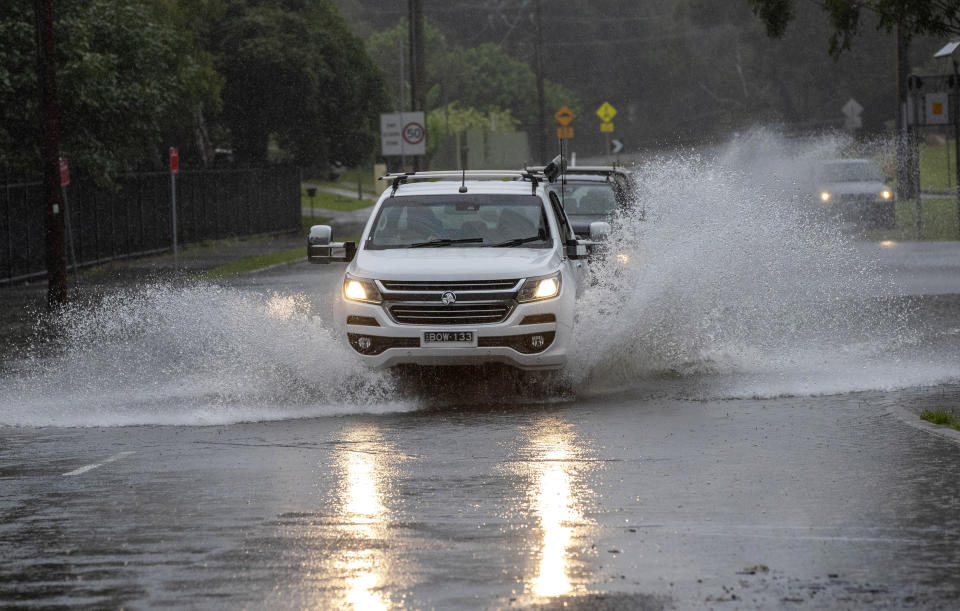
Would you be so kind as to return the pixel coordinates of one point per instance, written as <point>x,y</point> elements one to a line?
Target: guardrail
<point>134,218</point>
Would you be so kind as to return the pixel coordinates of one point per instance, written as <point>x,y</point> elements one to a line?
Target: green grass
<point>942,417</point>
<point>248,264</point>
<point>939,218</point>
<point>934,176</point>
<point>332,201</point>
<point>348,180</point>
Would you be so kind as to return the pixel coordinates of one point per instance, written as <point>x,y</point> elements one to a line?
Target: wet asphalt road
<point>615,501</point>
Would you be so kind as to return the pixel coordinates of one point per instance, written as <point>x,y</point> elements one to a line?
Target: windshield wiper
<point>515,242</point>
<point>444,242</point>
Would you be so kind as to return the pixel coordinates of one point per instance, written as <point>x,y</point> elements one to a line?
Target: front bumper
<point>510,342</point>
<point>865,211</point>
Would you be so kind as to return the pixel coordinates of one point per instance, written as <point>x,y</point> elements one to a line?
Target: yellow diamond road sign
<point>564,116</point>
<point>606,112</point>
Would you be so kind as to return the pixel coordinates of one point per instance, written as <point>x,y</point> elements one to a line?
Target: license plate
<point>448,338</point>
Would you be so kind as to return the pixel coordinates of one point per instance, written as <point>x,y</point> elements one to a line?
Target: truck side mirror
<point>321,250</point>
<point>599,230</point>
<point>575,249</point>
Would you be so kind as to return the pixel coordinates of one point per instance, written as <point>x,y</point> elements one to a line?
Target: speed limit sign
<point>413,133</point>
<point>403,133</point>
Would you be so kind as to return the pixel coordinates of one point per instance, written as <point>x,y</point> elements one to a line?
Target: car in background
<point>593,193</point>
<point>855,191</point>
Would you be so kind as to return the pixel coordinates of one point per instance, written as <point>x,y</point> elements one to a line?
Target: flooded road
<point>736,429</point>
<point>639,503</point>
<point>644,497</point>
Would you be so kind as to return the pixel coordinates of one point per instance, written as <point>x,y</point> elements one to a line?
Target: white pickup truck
<point>458,268</point>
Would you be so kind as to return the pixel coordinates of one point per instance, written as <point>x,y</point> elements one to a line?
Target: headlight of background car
<point>541,287</point>
<point>361,289</point>
<point>824,196</point>
<point>886,194</point>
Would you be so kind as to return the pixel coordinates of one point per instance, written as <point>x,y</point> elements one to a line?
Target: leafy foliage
<point>119,77</point>
<point>301,77</point>
<point>136,76</point>
<point>480,77</point>
<point>932,17</point>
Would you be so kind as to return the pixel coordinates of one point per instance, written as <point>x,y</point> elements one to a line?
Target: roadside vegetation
<point>333,201</point>
<point>249,264</point>
<point>347,180</point>
<point>942,417</point>
<point>938,169</point>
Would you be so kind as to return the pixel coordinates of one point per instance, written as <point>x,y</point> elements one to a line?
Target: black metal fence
<point>135,219</point>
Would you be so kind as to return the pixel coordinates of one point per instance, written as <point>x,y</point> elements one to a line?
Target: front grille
<point>451,285</point>
<point>456,314</point>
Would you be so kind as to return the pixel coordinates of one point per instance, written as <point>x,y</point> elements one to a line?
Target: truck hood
<point>854,188</point>
<point>452,263</point>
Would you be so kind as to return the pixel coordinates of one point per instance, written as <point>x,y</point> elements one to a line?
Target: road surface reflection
<point>557,462</point>
<point>364,475</point>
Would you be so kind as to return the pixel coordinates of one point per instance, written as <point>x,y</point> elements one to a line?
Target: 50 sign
<point>403,133</point>
<point>413,133</point>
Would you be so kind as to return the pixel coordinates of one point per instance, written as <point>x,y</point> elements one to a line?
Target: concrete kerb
<point>908,417</point>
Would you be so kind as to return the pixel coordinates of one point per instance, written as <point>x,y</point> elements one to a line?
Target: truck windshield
<point>593,200</point>
<point>460,221</point>
<point>851,171</point>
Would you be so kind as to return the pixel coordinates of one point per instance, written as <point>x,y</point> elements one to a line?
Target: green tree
<point>477,77</point>
<point>295,73</point>
<point>122,71</point>
<point>932,17</point>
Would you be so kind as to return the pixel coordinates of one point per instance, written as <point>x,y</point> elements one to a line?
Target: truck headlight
<point>361,289</point>
<point>886,194</point>
<point>541,287</point>
<point>824,196</point>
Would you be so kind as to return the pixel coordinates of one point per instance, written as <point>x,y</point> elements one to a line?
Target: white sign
<point>616,146</point>
<point>935,108</point>
<point>852,108</point>
<point>851,111</point>
<point>403,133</point>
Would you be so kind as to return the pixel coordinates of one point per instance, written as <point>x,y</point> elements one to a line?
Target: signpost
<point>564,117</point>
<point>174,170</point>
<point>64,181</point>
<point>402,134</point>
<point>606,112</point>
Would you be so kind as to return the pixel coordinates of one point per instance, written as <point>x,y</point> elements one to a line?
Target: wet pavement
<point>613,502</point>
<point>468,495</point>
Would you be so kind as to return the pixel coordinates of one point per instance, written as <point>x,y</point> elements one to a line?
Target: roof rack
<point>399,178</point>
<point>582,169</point>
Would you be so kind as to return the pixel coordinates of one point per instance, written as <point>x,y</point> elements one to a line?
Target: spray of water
<point>200,354</point>
<point>735,287</point>
<point>738,287</point>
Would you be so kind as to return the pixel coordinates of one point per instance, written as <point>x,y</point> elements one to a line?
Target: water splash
<point>200,354</point>
<point>734,289</point>
<point>736,286</point>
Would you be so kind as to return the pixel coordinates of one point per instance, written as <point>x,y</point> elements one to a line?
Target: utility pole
<point>541,101</point>
<point>418,66</point>
<point>49,112</point>
<point>907,154</point>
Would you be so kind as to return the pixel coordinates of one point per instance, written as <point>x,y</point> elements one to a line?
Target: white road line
<point>93,466</point>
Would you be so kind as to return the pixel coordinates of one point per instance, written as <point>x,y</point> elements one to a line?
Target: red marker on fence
<point>174,170</point>
<point>64,181</point>
<point>64,172</point>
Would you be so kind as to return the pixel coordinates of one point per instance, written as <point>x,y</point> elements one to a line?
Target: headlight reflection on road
<point>364,472</point>
<point>559,500</point>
